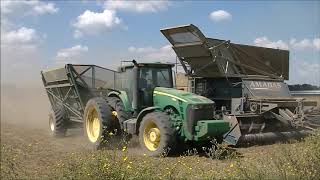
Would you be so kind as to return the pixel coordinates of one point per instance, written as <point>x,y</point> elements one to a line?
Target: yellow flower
<point>110,134</point>
<point>144,154</point>
<point>128,166</point>
<point>125,158</point>
<point>231,165</point>
<point>124,148</point>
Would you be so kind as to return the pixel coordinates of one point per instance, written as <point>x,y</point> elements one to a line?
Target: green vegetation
<point>303,87</point>
<point>299,160</point>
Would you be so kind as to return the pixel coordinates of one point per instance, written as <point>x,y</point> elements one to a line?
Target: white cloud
<point>137,6</point>
<point>293,44</point>
<point>18,37</point>
<point>70,54</point>
<point>77,34</point>
<point>220,15</point>
<point>141,49</point>
<point>45,8</point>
<point>151,54</point>
<point>303,44</point>
<point>303,72</point>
<point>15,37</point>
<point>23,40</point>
<point>316,43</point>
<point>27,7</point>
<point>94,23</point>
<point>265,42</point>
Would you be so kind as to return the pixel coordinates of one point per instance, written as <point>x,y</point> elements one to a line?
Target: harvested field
<point>29,152</point>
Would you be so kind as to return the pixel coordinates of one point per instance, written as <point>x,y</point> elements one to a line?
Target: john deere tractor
<point>138,99</point>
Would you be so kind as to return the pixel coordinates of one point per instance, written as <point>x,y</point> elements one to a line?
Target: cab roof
<point>150,65</point>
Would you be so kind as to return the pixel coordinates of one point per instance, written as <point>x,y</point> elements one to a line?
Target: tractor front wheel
<point>156,134</point>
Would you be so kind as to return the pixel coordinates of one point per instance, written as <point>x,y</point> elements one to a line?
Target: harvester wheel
<point>98,122</point>
<point>156,134</point>
<point>118,110</point>
<point>58,122</point>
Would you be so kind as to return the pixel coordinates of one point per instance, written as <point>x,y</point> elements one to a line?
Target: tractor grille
<point>198,112</point>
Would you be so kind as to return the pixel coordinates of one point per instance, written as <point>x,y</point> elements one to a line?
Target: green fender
<point>123,97</point>
<point>142,114</point>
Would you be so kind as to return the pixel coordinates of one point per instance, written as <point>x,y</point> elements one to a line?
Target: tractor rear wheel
<point>97,121</point>
<point>58,122</point>
<point>156,134</point>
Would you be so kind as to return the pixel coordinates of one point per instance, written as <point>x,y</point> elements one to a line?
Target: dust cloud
<point>27,107</point>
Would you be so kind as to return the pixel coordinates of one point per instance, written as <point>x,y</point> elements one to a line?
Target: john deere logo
<point>265,85</point>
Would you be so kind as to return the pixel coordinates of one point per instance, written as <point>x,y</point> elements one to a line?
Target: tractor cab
<point>140,79</point>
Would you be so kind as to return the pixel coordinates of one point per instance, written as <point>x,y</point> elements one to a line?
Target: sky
<point>40,34</point>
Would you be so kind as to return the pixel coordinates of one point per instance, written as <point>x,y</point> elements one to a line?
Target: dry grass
<point>299,160</point>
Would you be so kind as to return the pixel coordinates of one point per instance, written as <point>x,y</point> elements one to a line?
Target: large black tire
<point>118,106</point>
<point>58,122</point>
<point>97,122</point>
<point>163,143</point>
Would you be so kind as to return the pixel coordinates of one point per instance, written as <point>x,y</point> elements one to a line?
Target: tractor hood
<point>182,95</point>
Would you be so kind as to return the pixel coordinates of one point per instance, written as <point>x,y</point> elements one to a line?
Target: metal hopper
<point>207,57</point>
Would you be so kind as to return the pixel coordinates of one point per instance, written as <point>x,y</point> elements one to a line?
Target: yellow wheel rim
<point>93,125</point>
<point>151,136</point>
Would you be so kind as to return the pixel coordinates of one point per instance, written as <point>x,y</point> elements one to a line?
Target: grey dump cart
<point>70,87</point>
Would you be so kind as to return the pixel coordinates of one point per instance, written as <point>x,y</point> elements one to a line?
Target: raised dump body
<point>246,83</point>
<point>208,57</point>
<point>71,86</point>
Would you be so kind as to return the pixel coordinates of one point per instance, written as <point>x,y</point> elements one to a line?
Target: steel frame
<point>66,91</point>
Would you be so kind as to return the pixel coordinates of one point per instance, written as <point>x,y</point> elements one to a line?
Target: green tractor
<point>139,99</point>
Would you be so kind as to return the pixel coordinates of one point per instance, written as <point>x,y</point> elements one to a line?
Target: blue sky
<point>39,34</point>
